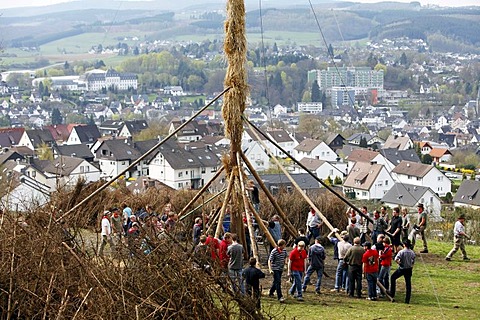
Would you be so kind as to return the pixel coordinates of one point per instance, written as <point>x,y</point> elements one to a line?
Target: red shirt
<point>224,258</point>
<point>297,259</point>
<point>386,256</point>
<point>214,246</point>
<point>370,261</point>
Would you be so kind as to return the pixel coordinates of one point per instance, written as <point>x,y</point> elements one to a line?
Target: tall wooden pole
<point>288,225</point>
<point>224,205</point>
<point>253,240</point>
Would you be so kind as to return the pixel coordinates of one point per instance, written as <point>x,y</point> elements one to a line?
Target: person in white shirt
<point>106,233</point>
<point>459,239</point>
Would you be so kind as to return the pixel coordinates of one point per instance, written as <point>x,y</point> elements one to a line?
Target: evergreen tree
<point>316,97</point>
<point>330,51</point>
<point>363,142</point>
<point>403,59</point>
<point>56,116</point>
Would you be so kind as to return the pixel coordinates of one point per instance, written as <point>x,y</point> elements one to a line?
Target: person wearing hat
<point>459,239</point>
<point>254,195</point>
<point>106,232</point>
<point>341,279</point>
<point>419,228</point>
<point>405,259</point>
<point>316,263</point>
<point>370,267</point>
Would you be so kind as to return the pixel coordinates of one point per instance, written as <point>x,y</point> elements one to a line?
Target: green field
<point>440,290</point>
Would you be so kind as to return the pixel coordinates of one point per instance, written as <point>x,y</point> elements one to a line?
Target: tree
<point>330,51</point>
<point>45,152</point>
<point>56,116</point>
<point>337,180</point>
<point>316,96</point>
<point>403,59</point>
<point>427,159</point>
<point>363,142</point>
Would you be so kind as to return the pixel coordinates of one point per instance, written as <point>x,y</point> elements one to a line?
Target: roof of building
<point>40,136</point>
<point>394,141</point>
<point>312,164</point>
<point>414,169</point>
<point>88,133</point>
<point>280,136</point>
<point>77,150</point>
<point>363,175</point>
<point>468,193</point>
<point>396,156</point>
<point>439,152</point>
<point>308,145</point>
<point>405,194</point>
<point>362,155</point>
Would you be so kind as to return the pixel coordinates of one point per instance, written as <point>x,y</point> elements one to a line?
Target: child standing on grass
<point>252,277</point>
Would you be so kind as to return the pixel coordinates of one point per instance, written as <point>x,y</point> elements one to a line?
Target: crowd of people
<point>367,248</point>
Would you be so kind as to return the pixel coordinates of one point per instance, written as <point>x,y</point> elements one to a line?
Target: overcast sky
<point>23,3</point>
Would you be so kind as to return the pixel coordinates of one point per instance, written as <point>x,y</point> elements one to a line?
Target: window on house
<point>214,169</point>
<point>82,169</point>
<point>180,174</point>
<point>364,193</point>
<point>440,178</point>
<point>409,177</point>
<point>386,183</point>
<point>203,170</point>
<point>34,174</point>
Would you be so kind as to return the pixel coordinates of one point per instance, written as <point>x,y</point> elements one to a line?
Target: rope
<point>264,62</point>
<point>433,287</point>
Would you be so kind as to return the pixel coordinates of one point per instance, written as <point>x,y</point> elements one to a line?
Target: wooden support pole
<point>201,191</point>
<point>224,205</point>
<point>203,203</point>
<point>262,225</point>
<point>350,204</point>
<point>295,184</point>
<point>143,156</point>
<point>253,240</point>
<point>288,225</point>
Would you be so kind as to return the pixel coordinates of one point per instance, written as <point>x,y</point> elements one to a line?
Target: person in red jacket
<point>370,267</point>
<point>224,258</point>
<point>385,263</point>
<point>296,268</point>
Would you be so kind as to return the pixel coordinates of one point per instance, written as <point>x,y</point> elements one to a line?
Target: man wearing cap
<point>370,267</point>
<point>353,258</point>
<point>341,279</point>
<point>316,262</point>
<point>459,239</point>
<point>419,228</point>
<point>405,259</point>
<point>106,233</point>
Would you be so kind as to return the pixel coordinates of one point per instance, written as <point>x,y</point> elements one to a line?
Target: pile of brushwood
<point>50,270</point>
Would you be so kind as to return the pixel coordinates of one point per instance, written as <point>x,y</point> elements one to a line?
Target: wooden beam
<point>224,205</point>
<point>288,225</point>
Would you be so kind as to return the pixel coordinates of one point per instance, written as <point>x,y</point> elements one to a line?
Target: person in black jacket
<point>252,276</point>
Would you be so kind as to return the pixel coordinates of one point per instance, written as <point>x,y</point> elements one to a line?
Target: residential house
<point>284,140</point>
<point>7,154</point>
<point>143,184</point>
<point>367,181</point>
<point>37,138</point>
<point>279,109</point>
<point>60,132</point>
<point>10,137</point>
<point>35,97</point>
<point>409,196</point>
<point>425,147</point>
<point>468,195</point>
<point>335,141</point>
<point>276,182</point>
<point>55,97</point>
<point>314,149</point>
<point>133,127</point>
<point>440,155</point>
<point>420,174</point>
<point>371,141</point>
<point>397,142</point>
<point>321,168</point>
<point>183,168</point>
<point>16,98</point>
<point>255,151</point>
<point>24,194</point>
<point>65,172</point>
<point>115,156</point>
<point>87,134</point>
<point>81,151</point>
<point>174,91</point>
<point>110,127</point>
<point>394,157</point>
<point>450,139</point>
<point>193,131</point>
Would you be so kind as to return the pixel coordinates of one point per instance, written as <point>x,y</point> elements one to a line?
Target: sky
<point>24,3</point>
